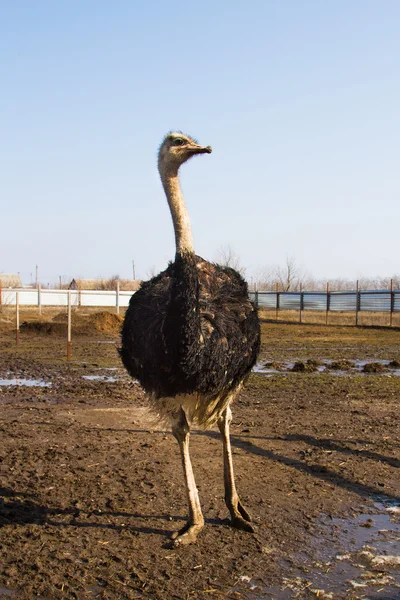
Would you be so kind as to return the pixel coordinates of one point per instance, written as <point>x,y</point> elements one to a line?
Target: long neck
<point>180,216</point>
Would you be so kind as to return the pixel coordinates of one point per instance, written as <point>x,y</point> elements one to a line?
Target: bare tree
<point>291,277</point>
<point>111,284</point>
<point>151,272</point>
<point>226,257</point>
<point>396,282</point>
<point>265,278</point>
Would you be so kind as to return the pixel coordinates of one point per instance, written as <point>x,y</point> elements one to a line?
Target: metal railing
<point>374,301</point>
<point>382,301</point>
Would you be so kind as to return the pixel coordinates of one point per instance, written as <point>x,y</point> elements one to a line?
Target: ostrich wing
<point>191,329</point>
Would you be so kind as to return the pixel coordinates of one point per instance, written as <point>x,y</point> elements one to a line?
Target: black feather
<point>192,328</point>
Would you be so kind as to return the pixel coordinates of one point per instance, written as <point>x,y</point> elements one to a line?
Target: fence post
<point>117,297</point>
<point>328,302</point>
<point>256,298</point>
<point>277,301</point>
<point>69,342</point>
<point>17,317</point>
<point>39,291</point>
<point>301,304</point>
<point>391,303</point>
<point>358,302</point>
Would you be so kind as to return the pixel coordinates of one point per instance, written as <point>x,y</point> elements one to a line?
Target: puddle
<point>370,558</point>
<point>357,558</point>
<point>103,378</point>
<point>29,382</point>
<point>333,367</point>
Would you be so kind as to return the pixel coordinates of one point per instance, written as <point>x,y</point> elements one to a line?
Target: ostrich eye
<point>178,142</point>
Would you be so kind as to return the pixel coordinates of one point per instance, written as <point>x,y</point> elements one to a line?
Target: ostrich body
<point>191,336</point>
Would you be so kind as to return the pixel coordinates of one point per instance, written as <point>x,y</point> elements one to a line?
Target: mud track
<point>91,488</point>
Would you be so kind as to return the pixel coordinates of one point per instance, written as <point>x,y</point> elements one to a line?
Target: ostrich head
<point>176,149</point>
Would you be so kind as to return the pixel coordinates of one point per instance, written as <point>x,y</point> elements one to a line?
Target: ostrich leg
<point>188,534</point>
<point>240,516</point>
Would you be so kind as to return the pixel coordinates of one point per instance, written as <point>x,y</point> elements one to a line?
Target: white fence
<point>40,297</point>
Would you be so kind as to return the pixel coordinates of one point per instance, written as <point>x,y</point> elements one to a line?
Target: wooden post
<point>256,294</point>
<point>17,318</point>
<point>357,303</point>
<point>40,298</point>
<point>301,305</point>
<point>117,298</point>
<point>277,301</point>
<point>327,303</point>
<point>69,342</point>
<point>391,303</point>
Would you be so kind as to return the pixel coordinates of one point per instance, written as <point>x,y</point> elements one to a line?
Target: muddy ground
<point>91,487</point>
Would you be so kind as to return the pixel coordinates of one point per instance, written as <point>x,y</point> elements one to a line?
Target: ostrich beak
<point>201,150</point>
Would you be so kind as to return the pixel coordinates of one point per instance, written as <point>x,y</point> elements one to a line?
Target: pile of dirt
<point>310,366</point>
<point>44,327</point>
<point>394,364</point>
<point>106,322</point>
<point>103,322</point>
<point>61,318</point>
<point>275,365</point>
<point>341,365</point>
<point>374,367</point>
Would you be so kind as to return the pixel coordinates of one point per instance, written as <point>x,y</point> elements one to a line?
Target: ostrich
<point>191,336</point>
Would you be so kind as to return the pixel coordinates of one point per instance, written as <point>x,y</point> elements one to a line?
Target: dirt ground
<point>91,487</point>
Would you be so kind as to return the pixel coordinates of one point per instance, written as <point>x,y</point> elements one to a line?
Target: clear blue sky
<point>300,100</point>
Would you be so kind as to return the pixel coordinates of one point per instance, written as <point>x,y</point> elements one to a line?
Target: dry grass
<point>292,341</point>
<point>48,313</point>
<point>365,319</point>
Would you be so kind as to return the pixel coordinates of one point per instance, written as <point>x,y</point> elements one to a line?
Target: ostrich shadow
<point>329,444</point>
<point>315,471</point>
<point>245,443</point>
<point>21,508</point>
<point>337,445</point>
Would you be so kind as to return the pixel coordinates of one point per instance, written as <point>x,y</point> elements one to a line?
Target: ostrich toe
<point>187,535</point>
<point>241,519</point>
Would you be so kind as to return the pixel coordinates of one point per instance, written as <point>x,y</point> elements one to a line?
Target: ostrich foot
<point>186,535</point>
<point>246,516</point>
<point>241,519</point>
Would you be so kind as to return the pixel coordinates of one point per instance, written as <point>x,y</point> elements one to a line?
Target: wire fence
<point>357,301</point>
